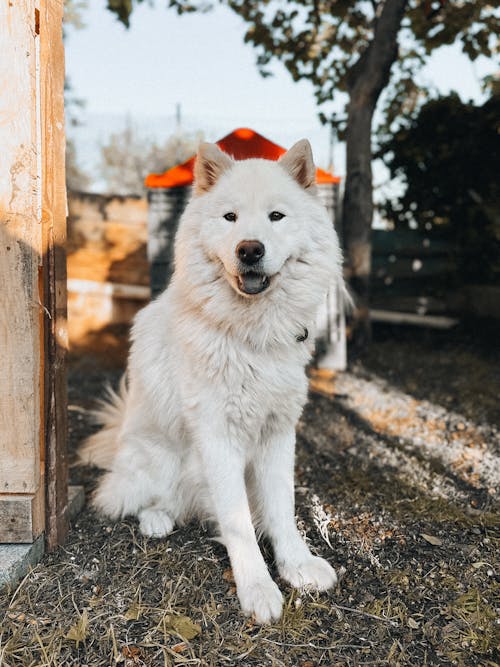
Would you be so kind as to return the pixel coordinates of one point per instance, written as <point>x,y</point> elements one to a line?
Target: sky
<point>200,62</point>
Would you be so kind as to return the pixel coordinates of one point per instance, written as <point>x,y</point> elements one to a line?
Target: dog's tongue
<point>253,283</point>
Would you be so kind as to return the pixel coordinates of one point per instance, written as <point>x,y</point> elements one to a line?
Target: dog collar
<point>303,336</point>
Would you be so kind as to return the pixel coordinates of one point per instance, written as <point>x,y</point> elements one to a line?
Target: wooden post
<point>54,212</point>
<point>32,296</point>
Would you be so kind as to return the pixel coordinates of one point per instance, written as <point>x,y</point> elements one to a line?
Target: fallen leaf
<point>432,539</point>
<point>133,613</point>
<point>413,624</point>
<point>185,627</point>
<point>17,616</point>
<point>479,564</point>
<point>131,652</point>
<point>78,631</point>
<point>178,648</point>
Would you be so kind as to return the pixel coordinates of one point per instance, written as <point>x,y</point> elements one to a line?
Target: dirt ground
<point>397,485</point>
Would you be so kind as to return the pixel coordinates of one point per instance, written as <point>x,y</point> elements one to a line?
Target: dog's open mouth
<point>252,282</point>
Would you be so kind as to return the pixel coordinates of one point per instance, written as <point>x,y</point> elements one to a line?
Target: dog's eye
<point>230,217</point>
<point>274,216</point>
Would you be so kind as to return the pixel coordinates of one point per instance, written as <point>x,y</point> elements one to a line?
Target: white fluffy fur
<point>216,381</point>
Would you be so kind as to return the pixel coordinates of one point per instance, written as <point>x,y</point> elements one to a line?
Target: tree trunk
<point>367,79</point>
<point>357,216</point>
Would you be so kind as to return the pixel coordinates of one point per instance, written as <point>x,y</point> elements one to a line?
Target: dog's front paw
<point>262,599</point>
<point>155,522</point>
<point>314,573</point>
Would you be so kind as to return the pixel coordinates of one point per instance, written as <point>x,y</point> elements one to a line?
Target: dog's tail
<point>100,448</point>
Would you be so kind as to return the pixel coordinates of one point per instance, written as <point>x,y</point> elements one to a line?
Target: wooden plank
<point>21,243</point>
<point>422,305</point>
<point>432,321</point>
<point>17,559</point>
<point>116,290</point>
<point>22,517</point>
<point>407,242</point>
<point>411,267</point>
<point>54,207</point>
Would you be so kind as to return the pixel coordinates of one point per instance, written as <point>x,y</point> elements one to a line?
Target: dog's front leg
<point>224,469</point>
<point>275,487</point>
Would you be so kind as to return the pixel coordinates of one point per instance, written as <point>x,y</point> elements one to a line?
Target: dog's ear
<point>210,164</point>
<point>298,162</point>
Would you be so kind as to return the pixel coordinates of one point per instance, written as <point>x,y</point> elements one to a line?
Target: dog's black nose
<point>250,252</point>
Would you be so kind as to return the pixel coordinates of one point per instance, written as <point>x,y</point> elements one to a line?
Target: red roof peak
<point>242,144</point>
<point>244,133</point>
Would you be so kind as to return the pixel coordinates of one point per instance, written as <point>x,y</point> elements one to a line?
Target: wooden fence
<point>412,275</point>
<point>416,279</point>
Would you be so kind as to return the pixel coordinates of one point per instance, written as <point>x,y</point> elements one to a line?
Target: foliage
<point>123,8</point>
<point>73,13</point>
<point>128,158</point>
<point>447,157</point>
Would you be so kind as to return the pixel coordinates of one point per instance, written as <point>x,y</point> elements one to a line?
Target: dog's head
<point>257,225</point>
<point>256,213</point>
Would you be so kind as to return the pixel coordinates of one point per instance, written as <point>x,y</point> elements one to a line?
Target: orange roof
<point>241,144</point>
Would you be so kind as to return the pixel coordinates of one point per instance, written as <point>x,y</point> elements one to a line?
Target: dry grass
<point>111,596</point>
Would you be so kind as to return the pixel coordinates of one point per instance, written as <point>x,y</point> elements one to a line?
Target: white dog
<point>216,381</point>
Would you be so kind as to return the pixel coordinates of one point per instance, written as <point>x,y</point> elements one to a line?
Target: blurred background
<point>399,100</point>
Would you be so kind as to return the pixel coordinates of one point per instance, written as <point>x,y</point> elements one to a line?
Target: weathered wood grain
<point>54,207</point>
<point>21,244</point>
<point>33,335</point>
<point>22,517</point>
